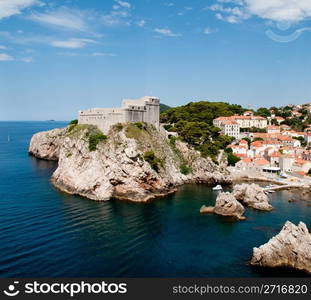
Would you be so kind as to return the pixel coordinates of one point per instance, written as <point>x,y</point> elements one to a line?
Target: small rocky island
<point>226,205</point>
<point>253,196</point>
<point>134,161</point>
<point>290,248</point>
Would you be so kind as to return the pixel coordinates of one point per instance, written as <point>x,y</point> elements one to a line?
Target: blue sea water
<point>46,233</point>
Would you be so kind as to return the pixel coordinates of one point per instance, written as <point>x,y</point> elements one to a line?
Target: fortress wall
<point>102,118</point>
<point>134,115</point>
<point>146,109</point>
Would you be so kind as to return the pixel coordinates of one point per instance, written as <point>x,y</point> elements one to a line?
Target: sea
<point>46,233</point>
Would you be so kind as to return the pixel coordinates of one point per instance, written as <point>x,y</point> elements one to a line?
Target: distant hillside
<point>164,107</point>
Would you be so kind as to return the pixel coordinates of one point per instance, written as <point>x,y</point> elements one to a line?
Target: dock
<point>287,187</point>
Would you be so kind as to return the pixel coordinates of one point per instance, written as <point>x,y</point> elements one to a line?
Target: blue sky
<point>57,57</point>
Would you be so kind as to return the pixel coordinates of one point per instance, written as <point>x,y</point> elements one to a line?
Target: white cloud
<point>27,59</point>
<point>5,57</point>
<point>119,14</point>
<point>230,14</point>
<point>9,8</point>
<point>208,30</point>
<point>3,47</point>
<point>72,43</point>
<point>166,32</point>
<point>116,18</point>
<point>291,11</point>
<point>280,10</point>
<point>62,18</point>
<point>103,54</point>
<point>95,54</point>
<point>141,23</point>
<point>124,4</point>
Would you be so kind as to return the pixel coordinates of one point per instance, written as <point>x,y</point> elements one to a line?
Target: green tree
<point>263,112</point>
<point>248,140</point>
<point>274,122</point>
<point>232,159</point>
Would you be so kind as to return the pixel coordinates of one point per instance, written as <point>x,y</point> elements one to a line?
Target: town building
<point>308,138</point>
<point>228,127</point>
<point>247,121</point>
<point>273,129</point>
<point>286,163</point>
<point>146,109</point>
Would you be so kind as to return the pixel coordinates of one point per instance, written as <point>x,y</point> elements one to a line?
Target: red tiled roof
<point>261,162</point>
<point>275,154</point>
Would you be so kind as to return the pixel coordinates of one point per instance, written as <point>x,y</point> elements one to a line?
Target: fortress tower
<point>146,109</point>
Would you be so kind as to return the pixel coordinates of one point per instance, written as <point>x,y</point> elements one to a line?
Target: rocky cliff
<point>290,248</point>
<point>47,144</point>
<point>134,162</point>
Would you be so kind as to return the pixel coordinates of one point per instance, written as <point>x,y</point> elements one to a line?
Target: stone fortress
<point>146,109</point>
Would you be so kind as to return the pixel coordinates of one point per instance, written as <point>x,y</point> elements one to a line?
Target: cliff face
<point>134,163</point>
<point>47,144</point>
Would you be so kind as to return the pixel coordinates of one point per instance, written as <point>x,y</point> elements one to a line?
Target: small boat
<point>270,191</point>
<point>283,175</point>
<point>217,188</point>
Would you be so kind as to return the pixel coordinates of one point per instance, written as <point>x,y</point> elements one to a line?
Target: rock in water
<point>226,205</point>
<point>290,248</point>
<point>207,209</point>
<point>252,195</point>
<point>131,163</point>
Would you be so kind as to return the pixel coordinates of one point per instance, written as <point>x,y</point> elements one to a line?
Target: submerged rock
<point>226,205</point>
<point>290,248</point>
<point>130,164</point>
<point>252,195</point>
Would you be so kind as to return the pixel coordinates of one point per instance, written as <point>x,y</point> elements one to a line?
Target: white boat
<point>283,175</point>
<point>217,188</point>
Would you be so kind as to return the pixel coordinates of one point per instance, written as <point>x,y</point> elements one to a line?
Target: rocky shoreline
<point>132,163</point>
<point>139,164</point>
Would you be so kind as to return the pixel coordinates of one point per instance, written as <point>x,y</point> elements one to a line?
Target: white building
<point>228,127</point>
<point>146,109</point>
<point>286,163</point>
<point>244,121</point>
<point>308,138</point>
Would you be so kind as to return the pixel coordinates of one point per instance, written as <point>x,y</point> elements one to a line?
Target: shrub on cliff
<point>72,125</point>
<point>154,162</point>
<point>186,170</point>
<point>73,122</point>
<point>119,126</point>
<point>94,139</point>
<point>140,125</point>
